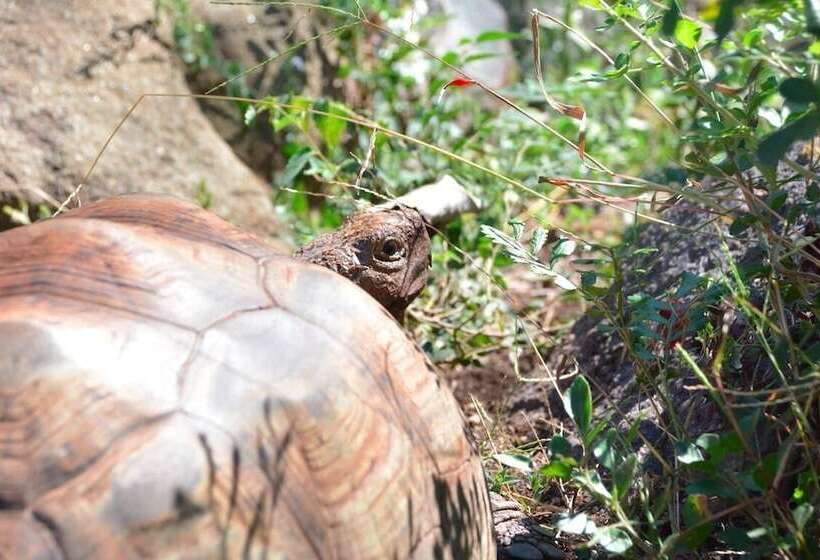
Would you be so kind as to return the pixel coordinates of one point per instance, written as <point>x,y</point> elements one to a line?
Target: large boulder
<point>466,20</point>
<point>70,71</point>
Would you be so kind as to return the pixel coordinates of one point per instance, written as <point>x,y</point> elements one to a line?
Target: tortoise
<point>172,387</point>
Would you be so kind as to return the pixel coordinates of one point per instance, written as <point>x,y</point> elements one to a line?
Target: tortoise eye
<point>390,249</point>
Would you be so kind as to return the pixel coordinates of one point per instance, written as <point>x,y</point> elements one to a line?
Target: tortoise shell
<point>170,387</point>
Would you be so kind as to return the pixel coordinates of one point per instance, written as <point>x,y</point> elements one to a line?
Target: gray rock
<point>68,74</point>
<point>521,551</point>
<point>518,536</point>
<point>468,19</point>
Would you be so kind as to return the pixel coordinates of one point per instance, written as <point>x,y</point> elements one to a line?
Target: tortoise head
<point>386,252</point>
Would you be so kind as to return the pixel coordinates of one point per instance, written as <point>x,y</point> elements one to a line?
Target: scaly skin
<point>385,252</point>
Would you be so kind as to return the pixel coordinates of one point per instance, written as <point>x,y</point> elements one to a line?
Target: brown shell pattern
<point>170,388</point>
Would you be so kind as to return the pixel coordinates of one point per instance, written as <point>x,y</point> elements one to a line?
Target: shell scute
<point>175,389</point>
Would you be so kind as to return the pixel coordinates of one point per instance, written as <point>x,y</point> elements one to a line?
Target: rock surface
<point>467,20</point>
<point>254,39</point>
<point>69,72</point>
<point>520,537</point>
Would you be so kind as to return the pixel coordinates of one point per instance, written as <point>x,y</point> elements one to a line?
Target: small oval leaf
<point>578,403</point>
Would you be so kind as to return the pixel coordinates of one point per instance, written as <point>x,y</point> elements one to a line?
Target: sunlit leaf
<point>687,33</point>
<point>518,229</point>
<point>250,115</point>
<point>562,248</point>
<point>560,469</point>
<point>539,237</point>
<point>594,4</point>
<point>605,451</point>
<point>489,36</point>
<point>578,524</point>
<point>613,539</point>
<point>518,462</point>
<point>687,453</point>
<point>330,127</point>
<point>578,403</point>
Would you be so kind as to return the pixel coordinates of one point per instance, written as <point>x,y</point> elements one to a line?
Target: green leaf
<point>735,538</point>
<point>777,199</point>
<point>250,115</point>
<point>772,148</point>
<point>695,511</point>
<point>510,245</point>
<point>744,540</point>
<point>605,451</point>
<point>813,192</point>
<point>687,33</point>
<point>518,462</point>
<point>591,481</point>
<point>204,197</point>
<point>578,404</point>
<point>539,237</point>
<point>18,216</point>
<point>560,447</point>
<point>624,475</point>
<point>804,482</point>
<point>752,38</point>
<point>645,251</point>
<point>330,127</point>
<point>561,469</point>
<point>688,284</point>
<point>802,514</point>
<point>518,229</point>
<point>489,36</point>
<point>800,90</point>
<point>688,453</point>
<point>594,4</point>
<point>479,56</point>
<point>766,471</point>
<point>578,524</point>
<point>612,539</point>
<point>296,164</point>
<point>562,248</point>
<point>670,18</point>
<point>741,224</point>
<point>748,425</point>
<point>713,487</point>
